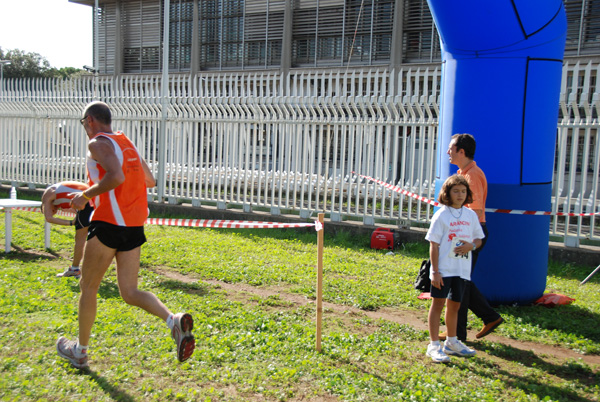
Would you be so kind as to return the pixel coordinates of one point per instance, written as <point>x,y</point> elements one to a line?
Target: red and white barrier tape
<point>492,210</point>
<point>400,190</point>
<point>209,223</point>
<point>30,209</point>
<point>36,209</point>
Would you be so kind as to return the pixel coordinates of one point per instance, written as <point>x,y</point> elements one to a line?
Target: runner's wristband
<point>85,196</point>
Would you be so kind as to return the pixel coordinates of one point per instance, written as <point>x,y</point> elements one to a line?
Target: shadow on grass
<point>108,290</point>
<point>116,394</point>
<point>512,379</point>
<point>570,372</point>
<point>29,255</point>
<point>569,319</point>
<point>53,253</point>
<point>193,288</point>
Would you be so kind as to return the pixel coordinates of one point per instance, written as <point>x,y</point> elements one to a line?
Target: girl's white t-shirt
<point>448,227</point>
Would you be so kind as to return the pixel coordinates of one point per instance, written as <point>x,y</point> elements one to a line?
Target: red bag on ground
<point>553,299</point>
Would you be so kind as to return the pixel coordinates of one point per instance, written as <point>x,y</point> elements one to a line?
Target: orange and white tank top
<point>64,192</point>
<point>127,204</point>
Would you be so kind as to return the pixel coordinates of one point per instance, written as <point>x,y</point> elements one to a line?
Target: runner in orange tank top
<point>118,178</point>
<point>127,204</point>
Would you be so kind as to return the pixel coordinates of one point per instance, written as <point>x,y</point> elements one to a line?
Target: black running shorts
<point>82,219</point>
<point>453,289</point>
<point>120,238</point>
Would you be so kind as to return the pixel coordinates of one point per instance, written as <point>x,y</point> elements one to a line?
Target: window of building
<point>141,36</point>
<point>238,33</point>
<point>181,24</point>
<point>372,31</point>
<point>342,32</point>
<point>583,27</point>
<point>420,39</point>
<point>263,33</point>
<point>107,18</point>
<point>219,31</point>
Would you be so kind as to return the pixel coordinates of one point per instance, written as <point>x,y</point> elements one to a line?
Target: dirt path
<point>415,319</point>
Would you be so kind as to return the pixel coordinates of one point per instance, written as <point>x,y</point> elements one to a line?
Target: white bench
<point>8,204</point>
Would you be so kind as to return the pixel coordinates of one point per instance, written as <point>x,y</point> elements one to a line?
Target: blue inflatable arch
<point>501,73</point>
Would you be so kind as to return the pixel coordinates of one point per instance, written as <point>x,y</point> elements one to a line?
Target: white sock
<point>435,343</point>
<point>81,349</point>
<point>170,321</point>
<point>74,268</point>
<point>451,339</point>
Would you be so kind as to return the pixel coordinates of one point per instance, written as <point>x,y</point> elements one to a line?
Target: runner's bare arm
<point>103,152</point>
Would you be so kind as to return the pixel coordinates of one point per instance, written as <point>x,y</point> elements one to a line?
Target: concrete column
<point>286,45</point>
<point>195,64</point>
<point>396,51</point>
<point>118,67</point>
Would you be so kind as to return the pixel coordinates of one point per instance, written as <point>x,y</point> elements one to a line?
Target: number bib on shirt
<point>452,254</point>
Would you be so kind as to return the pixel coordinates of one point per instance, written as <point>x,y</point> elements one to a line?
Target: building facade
<point>209,35</point>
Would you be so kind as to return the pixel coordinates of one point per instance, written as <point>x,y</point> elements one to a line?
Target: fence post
<point>320,237</point>
<point>164,91</point>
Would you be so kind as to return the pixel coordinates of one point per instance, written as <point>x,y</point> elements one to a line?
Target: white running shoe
<point>437,354</point>
<point>458,349</point>
<point>71,272</point>
<point>68,350</point>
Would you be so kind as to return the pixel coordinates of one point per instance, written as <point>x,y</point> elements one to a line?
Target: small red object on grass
<point>553,299</point>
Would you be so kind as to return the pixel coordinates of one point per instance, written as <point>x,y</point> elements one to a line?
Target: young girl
<point>454,232</point>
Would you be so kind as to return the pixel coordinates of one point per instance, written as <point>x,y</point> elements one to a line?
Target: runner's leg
<point>96,260</point>
<point>128,266</point>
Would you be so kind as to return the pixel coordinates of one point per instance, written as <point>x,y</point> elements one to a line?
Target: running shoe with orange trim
<point>182,334</point>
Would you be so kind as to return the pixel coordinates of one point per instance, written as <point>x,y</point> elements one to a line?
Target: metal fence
<point>285,143</point>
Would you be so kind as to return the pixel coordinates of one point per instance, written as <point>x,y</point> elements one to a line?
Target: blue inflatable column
<point>501,73</point>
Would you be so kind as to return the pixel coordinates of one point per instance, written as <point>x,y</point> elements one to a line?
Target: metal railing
<point>285,143</point>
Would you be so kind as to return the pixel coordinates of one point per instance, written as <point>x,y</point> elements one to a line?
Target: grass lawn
<point>251,293</point>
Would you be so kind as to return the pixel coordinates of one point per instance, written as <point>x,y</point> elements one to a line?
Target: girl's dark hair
<point>444,196</point>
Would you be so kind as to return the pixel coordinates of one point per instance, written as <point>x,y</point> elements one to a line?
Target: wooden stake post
<point>320,236</point>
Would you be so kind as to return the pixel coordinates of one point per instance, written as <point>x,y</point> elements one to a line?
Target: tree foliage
<point>32,65</point>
